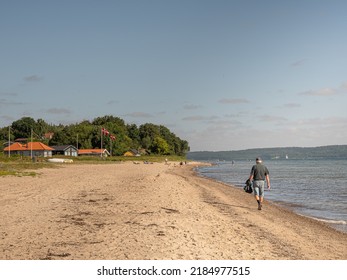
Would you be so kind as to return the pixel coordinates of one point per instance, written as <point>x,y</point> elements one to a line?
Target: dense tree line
<point>155,139</point>
<point>301,153</point>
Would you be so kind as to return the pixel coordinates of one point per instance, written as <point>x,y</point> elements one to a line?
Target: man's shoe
<point>259,206</point>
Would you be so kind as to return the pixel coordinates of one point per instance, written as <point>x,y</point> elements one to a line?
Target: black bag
<point>248,187</point>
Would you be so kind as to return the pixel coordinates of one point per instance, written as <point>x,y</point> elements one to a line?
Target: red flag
<point>105,131</point>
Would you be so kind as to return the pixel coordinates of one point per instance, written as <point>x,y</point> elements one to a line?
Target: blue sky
<point>223,75</point>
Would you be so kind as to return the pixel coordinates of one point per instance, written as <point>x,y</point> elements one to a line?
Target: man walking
<point>259,174</point>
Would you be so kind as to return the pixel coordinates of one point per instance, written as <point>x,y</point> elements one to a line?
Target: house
<point>14,149</point>
<point>35,149</point>
<point>132,153</point>
<point>94,152</point>
<point>66,150</point>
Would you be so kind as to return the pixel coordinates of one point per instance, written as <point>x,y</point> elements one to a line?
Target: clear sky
<point>223,75</point>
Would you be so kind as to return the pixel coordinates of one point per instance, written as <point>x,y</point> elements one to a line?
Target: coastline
<point>151,211</point>
<point>325,203</point>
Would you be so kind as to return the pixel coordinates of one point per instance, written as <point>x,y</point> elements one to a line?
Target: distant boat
<point>287,157</point>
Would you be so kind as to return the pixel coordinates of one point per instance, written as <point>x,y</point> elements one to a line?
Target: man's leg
<point>261,195</point>
<point>256,193</point>
<point>259,204</point>
<point>259,192</point>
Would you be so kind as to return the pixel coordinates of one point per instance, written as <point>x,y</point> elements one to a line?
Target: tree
<point>134,135</point>
<point>42,127</point>
<point>184,148</point>
<point>102,121</point>
<point>160,146</point>
<point>22,127</point>
<point>146,143</point>
<point>154,138</point>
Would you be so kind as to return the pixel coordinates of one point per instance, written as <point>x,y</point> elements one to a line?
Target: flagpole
<point>9,141</point>
<point>31,146</point>
<point>111,147</point>
<point>101,143</point>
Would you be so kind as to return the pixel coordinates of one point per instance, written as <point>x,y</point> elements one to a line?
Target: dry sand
<point>150,211</point>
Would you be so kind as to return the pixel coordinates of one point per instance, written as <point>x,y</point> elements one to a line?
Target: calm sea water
<point>313,188</point>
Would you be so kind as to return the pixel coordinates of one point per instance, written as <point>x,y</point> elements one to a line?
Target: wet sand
<point>129,211</point>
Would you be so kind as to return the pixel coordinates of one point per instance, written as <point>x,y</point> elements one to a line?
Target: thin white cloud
<point>6,102</point>
<point>7,118</point>
<point>58,111</point>
<point>277,131</point>
<point>291,105</point>
<point>8,94</point>
<point>237,115</point>
<point>139,115</point>
<point>233,101</point>
<point>111,102</point>
<point>217,123</point>
<point>344,86</point>
<point>298,63</point>
<point>268,118</point>
<point>32,78</point>
<point>194,118</point>
<point>331,121</point>
<point>200,118</point>
<point>191,107</point>
<point>320,92</point>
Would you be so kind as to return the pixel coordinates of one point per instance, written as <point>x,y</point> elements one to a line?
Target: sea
<point>312,188</point>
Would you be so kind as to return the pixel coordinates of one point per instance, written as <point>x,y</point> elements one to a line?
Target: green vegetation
<point>16,173</point>
<point>17,166</point>
<point>324,152</point>
<point>155,141</point>
<point>116,159</point>
<point>151,138</point>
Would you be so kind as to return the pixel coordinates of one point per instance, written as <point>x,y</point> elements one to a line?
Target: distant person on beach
<point>259,174</point>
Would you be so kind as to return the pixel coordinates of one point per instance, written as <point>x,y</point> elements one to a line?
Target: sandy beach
<point>127,211</point>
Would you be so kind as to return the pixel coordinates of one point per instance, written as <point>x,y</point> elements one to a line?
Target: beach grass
<point>25,166</point>
<point>148,158</point>
<point>16,166</point>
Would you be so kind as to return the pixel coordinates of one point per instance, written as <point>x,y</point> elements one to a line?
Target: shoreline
<point>279,204</point>
<point>159,212</point>
<point>333,224</point>
<point>329,210</point>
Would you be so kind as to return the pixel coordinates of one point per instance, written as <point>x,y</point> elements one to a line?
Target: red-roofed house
<point>36,149</point>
